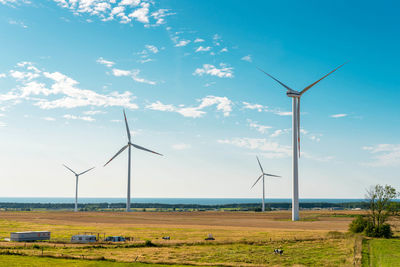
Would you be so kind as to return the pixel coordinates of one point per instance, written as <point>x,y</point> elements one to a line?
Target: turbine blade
<point>127,128</point>
<point>69,169</point>
<point>119,152</point>
<point>298,124</point>
<point>257,181</point>
<point>284,85</point>
<point>86,171</point>
<point>272,175</point>
<point>145,149</point>
<point>260,165</point>
<point>314,83</point>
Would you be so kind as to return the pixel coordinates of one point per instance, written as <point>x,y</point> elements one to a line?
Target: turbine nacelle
<point>293,93</point>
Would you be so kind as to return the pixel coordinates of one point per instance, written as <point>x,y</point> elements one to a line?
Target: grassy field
<point>381,252</point>
<point>242,238</point>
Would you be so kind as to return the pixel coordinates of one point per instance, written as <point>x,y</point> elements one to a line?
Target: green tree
<point>381,205</point>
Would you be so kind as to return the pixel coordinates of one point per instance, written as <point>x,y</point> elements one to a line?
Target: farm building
<point>115,239</point>
<point>30,236</point>
<point>83,239</point>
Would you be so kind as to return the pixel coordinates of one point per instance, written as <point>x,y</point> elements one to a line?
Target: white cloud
<point>181,146</point>
<point>49,119</point>
<point>384,155</point>
<point>13,2</point>
<point>223,50</point>
<point>182,43</point>
<point>260,128</point>
<point>269,149</point>
<point>222,104</point>
<point>152,48</point>
<point>57,90</point>
<point>73,117</point>
<point>342,115</point>
<point>105,62</point>
<point>247,58</point>
<point>134,74</point>
<point>258,107</point>
<point>203,49</point>
<point>18,23</point>
<point>3,124</point>
<point>93,112</point>
<point>123,11</point>
<point>198,40</point>
<point>223,72</point>
<point>3,75</point>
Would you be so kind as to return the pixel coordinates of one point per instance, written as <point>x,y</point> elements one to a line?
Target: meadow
<point>241,239</point>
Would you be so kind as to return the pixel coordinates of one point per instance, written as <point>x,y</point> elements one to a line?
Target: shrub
<point>358,224</point>
<point>382,231</point>
<point>148,243</point>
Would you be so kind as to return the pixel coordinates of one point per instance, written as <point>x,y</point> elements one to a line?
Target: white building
<point>30,236</point>
<point>83,239</point>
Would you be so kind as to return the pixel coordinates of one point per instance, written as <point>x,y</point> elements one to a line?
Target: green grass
<point>22,261</point>
<point>381,252</point>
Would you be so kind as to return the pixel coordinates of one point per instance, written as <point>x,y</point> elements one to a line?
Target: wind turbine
<point>129,145</point>
<point>296,95</point>
<point>76,184</point>
<point>263,174</point>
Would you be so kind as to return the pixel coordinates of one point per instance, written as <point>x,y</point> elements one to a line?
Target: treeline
<point>241,206</point>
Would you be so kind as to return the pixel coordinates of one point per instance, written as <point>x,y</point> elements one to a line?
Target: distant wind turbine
<point>263,174</point>
<point>76,184</point>
<point>128,198</point>
<point>296,95</point>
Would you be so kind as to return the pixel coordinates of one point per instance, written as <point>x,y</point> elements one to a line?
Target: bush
<point>381,231</point>
<point>358,224</point>
<point>148,243</point>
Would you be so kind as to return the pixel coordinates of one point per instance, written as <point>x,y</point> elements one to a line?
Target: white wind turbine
<point>263,174</point>
<point>128,198</point>
<point>76,184</point>
<point>296,95</point>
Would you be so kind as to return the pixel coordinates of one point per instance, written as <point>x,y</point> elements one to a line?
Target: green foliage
<point>358,224</point>
<point>36,246</point>
<point>383,230</point>
<point>148,243</point>
<point>381,252</point>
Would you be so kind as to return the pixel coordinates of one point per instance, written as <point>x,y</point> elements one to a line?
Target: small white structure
<point>30,236</point>
<point>83,239</point>
<point>114,239</point>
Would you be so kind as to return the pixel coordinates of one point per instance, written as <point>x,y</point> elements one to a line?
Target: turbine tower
<point>263,174</point>
<point>129,145</point>
<point>76,184</point>
<point>296,95</point>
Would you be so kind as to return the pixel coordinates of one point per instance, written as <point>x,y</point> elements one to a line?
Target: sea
<point>199,201</point>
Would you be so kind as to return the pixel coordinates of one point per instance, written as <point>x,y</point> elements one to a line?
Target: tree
<point>380,204</point>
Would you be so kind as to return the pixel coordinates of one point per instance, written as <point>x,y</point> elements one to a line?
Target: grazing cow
<point>166,238</point>
<point>278,251</point>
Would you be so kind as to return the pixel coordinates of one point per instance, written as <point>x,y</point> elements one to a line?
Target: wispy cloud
<point>222,104</point>
<point>247,58</point>
<point>73,117</point>
<point>198,40</point>
<point>182,43</point>
<point>152,48</point>
<point>269,149</point>
<point>18,23</point>
<point>384,155</point>
<point>107,63</point>
<point>223,72</point>
<point>257,107</point>
<point>259,127</point>
<point>134,74</point>
<point>49,118</point>
<point>203,49</point>
<point>181,146</point>
<point>341,115</point>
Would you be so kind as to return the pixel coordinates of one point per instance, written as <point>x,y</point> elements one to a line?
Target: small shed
<point>30,236</point>
<point>114,239</point>
<point>83,239</point>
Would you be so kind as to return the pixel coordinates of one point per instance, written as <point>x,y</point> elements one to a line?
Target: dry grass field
<point>241,238</point>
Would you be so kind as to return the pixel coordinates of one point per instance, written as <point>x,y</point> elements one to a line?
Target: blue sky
<point>185,71</point>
